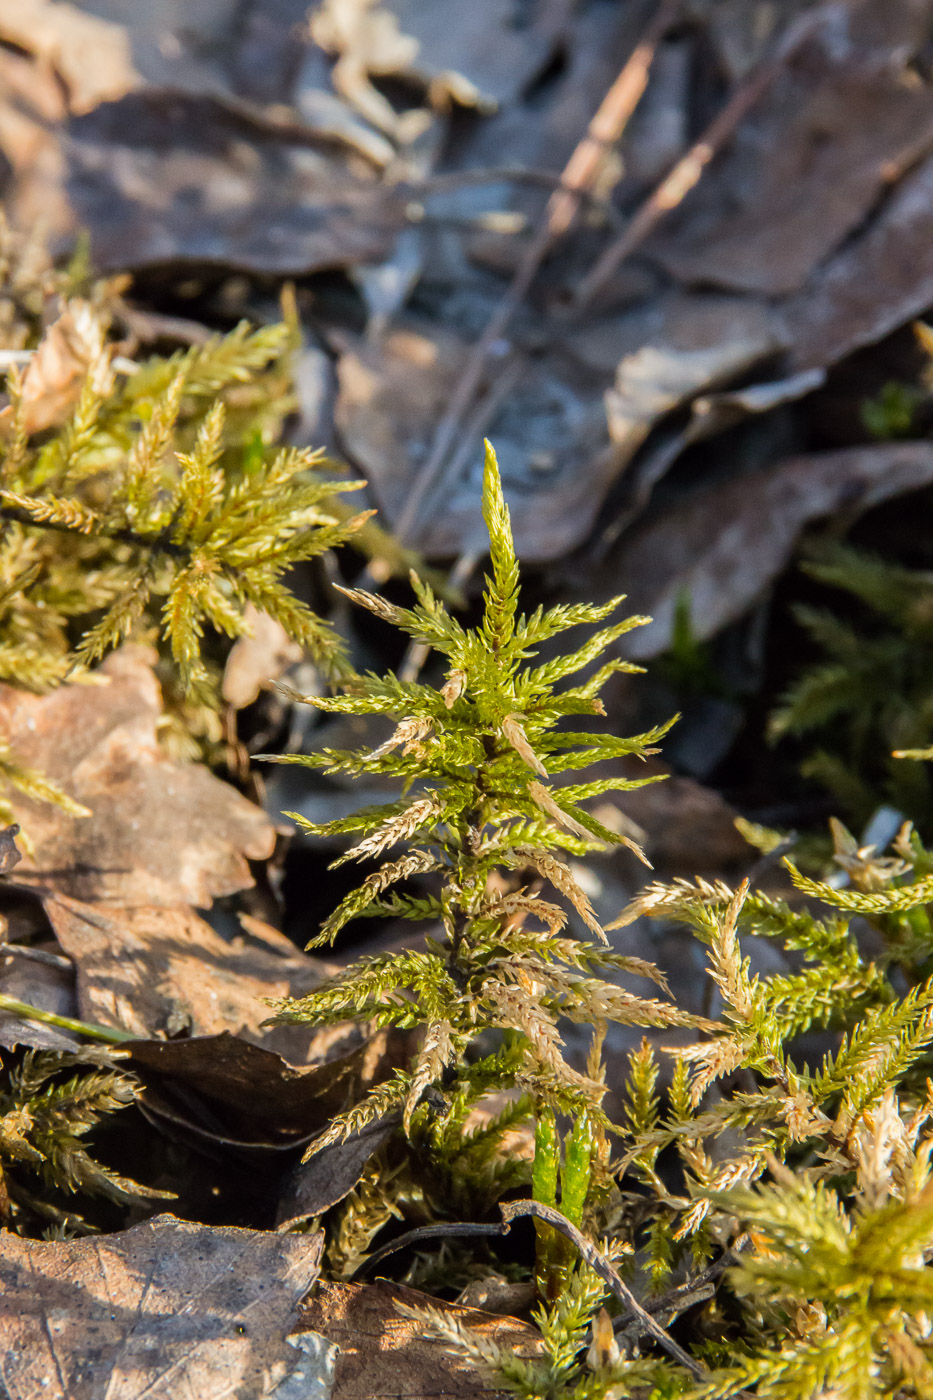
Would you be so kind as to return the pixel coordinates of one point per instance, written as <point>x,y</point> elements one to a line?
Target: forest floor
<point>669,258</point>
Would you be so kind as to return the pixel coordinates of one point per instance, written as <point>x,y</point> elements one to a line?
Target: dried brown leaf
<point>683,825</point>
<point>162,833</point>
<point>875,283</point>
<point>164,1310</point>
<point>45,981</point>
<point>840,125</point>
<point>391,397</point>
<point>31,105</point>
<point>688,346</point>
<point>165,971</point>
<point>384,1355</point>
<point>72,348</point>
<point>222,186</point>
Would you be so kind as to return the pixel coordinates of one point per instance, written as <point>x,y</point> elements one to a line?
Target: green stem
<point>88,1029</point>
<point>544,1175</point>
<point>575,1179</point>
<point>547,1158</point>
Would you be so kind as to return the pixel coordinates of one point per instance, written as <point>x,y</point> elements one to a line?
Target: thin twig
<point>156,325</point>
<point>675,1300</point>
<point>552,180</point>
<point>625,89</point>
<point>601,1266</point>
<point>677,184</point>
<point>423,1232</point>
<point>38,955</point>
<point>612,117</point>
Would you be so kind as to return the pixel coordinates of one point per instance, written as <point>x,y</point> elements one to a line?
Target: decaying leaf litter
<point>662,352</point>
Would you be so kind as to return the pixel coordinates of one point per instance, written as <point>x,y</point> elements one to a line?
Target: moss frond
<point>476,757</point>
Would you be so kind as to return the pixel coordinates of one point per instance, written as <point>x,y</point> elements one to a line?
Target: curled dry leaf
<point>699,344</point>
<point>163,1310</point>
<point>476,53</point>
<point>724,545</point>
<point>383,1354</point>
<point>367,42</point>
<point>91,55</point>
<point>321,1181</point>
<point>473,54</point>
<point>158,971</point>
<point>161,833</point>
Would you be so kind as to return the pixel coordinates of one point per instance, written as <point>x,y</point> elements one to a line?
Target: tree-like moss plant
<point>484,823</point>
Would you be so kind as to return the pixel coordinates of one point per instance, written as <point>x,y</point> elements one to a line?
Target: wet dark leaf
<point>262,1093</point>
<point>328,1176</point>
